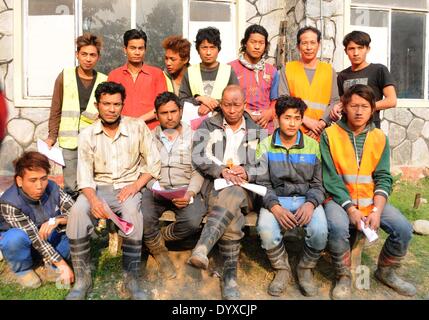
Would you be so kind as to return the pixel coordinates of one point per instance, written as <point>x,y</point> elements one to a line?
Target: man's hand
<point>255,115</point>
<point>355,216</point>
<point>373,221</point>
<point>46,230</point>
<point>266,116</point>
<point>203,110</point>
<point>97,208</point>
<point>208,102</point>
<point>285,218</point>
<point>229,176</point>
<point>50,142</point>
<point>66,273</point>
<point>335,113</point>
<point>183,202</point>
<point>239,171</point>
<point>304,214</point>
<point>127,191</point>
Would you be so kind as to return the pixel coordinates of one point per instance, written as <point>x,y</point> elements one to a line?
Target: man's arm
<point>56,109</point>
<point>185,92</point>
<point>283,86</point>
<point>335,98</point>
<point>389,100</point>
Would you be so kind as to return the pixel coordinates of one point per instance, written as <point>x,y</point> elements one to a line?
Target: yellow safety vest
<point>316,95</point>
<point>196,82</point>
<point>72,121</point>
<point>357,177</point>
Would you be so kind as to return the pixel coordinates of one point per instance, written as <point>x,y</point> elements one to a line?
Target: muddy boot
<point>217,222</point>
<point>131,262</point>
<point>230,251</point>
<point>159,252</point>
<point>305,271</point>
<point>279,261</point>
<point>81,258</point>
<point>386,274</point>
<point>168,233</point>
<point>343,285</point>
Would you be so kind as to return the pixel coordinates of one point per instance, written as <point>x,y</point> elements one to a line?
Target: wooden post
<point>417,201</point>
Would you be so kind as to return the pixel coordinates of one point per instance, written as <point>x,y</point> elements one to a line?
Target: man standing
<point>117,157</point>
<point>142,82</point>
<point>177,56</point>
<point>356,174</point>
<point>174,140</point>
<point>377,76</point>
<point>292,173</point>
<point>311,80</point>
<point>225,147</point>
<point>33,215</point>
<point>258,78</point>
<point>72,107</point>
<point>203,82</point>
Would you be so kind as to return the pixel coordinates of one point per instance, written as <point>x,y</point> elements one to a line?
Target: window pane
<point>47,20</point>
<point>109,19</point>
<point>408,45</point>
<point>159,19</point>
<point>208,11</point>
<point>414,4</point>
<point>376,24</point>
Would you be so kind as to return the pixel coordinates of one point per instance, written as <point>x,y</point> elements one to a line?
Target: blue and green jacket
<point>296,171</point>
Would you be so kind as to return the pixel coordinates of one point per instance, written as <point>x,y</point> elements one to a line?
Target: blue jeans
<point>392,222</point>
<point>271,232</point>
<point>19,253</point>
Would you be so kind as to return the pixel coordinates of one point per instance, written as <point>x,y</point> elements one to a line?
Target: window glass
<point>412,4</point>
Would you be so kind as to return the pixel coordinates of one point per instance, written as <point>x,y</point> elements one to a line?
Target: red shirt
<point>140,95</point>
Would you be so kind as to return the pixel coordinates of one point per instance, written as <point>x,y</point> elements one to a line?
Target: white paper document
<point>369,233</point>
<point>222,183</point>
<point>55,153</point>
<point>190,112</point>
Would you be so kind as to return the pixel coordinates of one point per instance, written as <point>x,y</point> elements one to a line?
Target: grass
<point>107,273</point>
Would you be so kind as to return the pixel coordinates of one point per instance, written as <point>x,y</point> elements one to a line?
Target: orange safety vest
<point>316,95</point>
<point>357,177</point>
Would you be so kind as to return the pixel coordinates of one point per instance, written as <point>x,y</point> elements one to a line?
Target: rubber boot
<point>217,222</point>
<point>343,285</point>
<point>387,264</point>
<point>279,261</point>
<point>230,251</point>
<point>159,252</point>
<point>131,262</point>
<point>305,271</point>
<point>81,261</point>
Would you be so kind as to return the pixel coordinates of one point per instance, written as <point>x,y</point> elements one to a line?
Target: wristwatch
<point>52,221</point>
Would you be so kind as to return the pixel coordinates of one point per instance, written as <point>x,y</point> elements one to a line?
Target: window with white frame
<point>398,30</point>
<point>49,28</point>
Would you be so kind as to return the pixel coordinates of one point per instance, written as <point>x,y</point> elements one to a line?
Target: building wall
<point>408,129</point>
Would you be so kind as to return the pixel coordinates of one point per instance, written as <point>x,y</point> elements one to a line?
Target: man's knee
<point>317,237</point>
<point>15,240</point>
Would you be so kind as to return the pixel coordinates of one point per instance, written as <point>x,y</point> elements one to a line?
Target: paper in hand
<point>222,183</point>
<point>169,194</point>
<point>369,233</point>
<point>125,226</point>
<point>55,154</point>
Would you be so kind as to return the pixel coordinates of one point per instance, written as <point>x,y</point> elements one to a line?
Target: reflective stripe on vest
<point>169,83</point>
<point>196,81</point>
<point>357,177</point>
<point>316,95</point>
<point>72,121</point>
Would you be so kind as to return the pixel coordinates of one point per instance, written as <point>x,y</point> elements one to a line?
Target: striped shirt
<point>17,219</point>
<point>116,161</point>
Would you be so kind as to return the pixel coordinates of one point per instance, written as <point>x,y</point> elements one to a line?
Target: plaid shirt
<point>17,219</point>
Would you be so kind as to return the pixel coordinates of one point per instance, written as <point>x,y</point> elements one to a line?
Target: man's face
<point>109,107</point>
<point>232,105</point>
<point>290,122</point>
<point>356,53</point>
<point>358,112</point>
<point>308,46</point>
<point>33,182</point>
<point>88,57</point>
<point>169,115</point>
<point>255,46</point>
<point>135,51</point>
<point>208,52</point>
<point>173,62</point>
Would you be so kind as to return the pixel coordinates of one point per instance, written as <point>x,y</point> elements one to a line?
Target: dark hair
<point>211,34</point>
<point>359,37</point>
<point>304,30</point>
<point>178,44</point>
<point>109,87</point>
<point>362,91</point>
<point>31,160</point>
<point>88,39</point>
<point>134,34</point>
<point>166,97</point>
<point>287,102</point>
<point>255,28</point>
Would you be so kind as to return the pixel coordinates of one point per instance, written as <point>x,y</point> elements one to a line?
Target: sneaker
<point>28,279</point>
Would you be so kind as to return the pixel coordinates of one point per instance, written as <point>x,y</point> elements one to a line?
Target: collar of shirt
<point>122,128</point>
<point>242,125</point>
<point>143,69</point>
<point>167,142</point>
<point>278,141</point>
